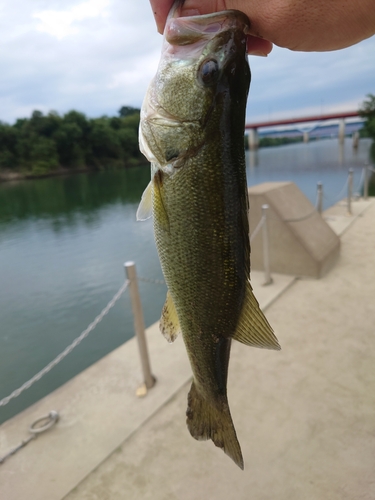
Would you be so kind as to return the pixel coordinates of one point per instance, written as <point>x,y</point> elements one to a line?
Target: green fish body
<point>192,131</point>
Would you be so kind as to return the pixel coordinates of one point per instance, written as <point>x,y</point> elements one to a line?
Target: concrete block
<point>301,243</point>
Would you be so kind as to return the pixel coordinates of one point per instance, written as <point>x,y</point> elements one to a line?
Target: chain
<point>17,448</point>
<point>47,422</point>
<point>68,349</point>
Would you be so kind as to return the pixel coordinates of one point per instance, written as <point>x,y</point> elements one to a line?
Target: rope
<point>68,349</point>
<point>256,230</point>
<point>307,216</point>
<point>341,193</point>
<point>361,180</point>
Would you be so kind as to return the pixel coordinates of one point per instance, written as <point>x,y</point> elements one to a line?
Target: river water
<point>63,242</point>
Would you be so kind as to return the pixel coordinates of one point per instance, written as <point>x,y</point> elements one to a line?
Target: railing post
<point>266,252</point>
<point>365,183</point>
<point>350,190</point>
<point>320,197</point>
<point>139,327</point>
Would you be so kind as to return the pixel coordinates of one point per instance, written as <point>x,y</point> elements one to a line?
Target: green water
<point>63,242</point>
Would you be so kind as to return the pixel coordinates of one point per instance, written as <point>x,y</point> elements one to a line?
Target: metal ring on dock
<point>49,420</point>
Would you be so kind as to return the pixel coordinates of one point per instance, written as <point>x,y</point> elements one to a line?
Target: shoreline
<point>10,176</point>
<point>19,176</point>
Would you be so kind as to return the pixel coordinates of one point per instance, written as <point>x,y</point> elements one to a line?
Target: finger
<point>160,9</point>
<point>256,46</point>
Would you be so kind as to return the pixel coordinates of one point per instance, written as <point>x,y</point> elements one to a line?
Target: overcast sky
<point>98,55</point>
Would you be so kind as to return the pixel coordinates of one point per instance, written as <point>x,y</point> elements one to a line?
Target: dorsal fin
<point>253,328</point>
<point>169,323</point>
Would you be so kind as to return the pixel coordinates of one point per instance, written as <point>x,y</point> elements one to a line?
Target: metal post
<point>139,327</point>
<point>266,253</point>
<point>366,179</point>
<point>320,197</point>
<point>350,190</point>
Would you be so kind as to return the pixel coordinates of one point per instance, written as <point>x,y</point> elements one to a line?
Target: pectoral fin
<point>144,211</point>
<point>253,328</point>
<point>169,323</point>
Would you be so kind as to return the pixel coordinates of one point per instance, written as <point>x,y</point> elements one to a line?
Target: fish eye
<point>209,72</point>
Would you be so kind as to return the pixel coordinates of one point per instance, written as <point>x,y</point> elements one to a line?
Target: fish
<point>192,131</point>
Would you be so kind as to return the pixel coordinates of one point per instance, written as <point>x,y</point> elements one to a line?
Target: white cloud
<point>61,23</point>
<point>97,55</point>
<point>139,71</point>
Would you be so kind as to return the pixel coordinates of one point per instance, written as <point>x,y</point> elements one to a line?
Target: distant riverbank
<point>45,145</point>
<point>9,176</point>
<point>13,176</point>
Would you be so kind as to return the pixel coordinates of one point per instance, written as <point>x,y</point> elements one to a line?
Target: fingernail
<point>257,54</point>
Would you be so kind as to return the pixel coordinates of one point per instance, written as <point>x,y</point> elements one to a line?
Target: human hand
<point>305,25</point>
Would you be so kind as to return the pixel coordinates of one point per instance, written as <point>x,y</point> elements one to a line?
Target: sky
<point>98,55</point>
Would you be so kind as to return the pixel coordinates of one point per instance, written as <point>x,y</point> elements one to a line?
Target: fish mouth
<point>188,30</point>
<point>162,117</point>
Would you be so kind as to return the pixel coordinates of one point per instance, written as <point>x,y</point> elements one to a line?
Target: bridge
<point>253,127</point>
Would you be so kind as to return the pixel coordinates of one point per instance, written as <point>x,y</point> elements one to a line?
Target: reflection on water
<point>60,199</point>
<point>325,161</point>
<point>63,242</point>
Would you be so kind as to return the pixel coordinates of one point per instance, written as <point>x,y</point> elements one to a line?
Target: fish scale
<point>192,131</point>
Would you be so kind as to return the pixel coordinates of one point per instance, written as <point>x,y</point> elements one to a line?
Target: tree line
<point>44,143</point>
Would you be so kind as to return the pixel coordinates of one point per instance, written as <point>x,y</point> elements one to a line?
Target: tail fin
<point>206,421</point>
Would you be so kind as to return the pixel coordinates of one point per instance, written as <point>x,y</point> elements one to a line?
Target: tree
<point>43,155</point>
<point>44,142</point>
<point>127,111</point>
<point>368,111</point>
<point>8,146</point>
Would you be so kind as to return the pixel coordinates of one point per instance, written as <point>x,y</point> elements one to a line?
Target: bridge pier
<point>342,131</point>
<point>253,138</point>
<point>305,137</point>
<point>355,140</point>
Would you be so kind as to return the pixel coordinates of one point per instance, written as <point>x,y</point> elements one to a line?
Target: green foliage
<point>368,111</point>
<point>127,111</point>
<point>8,146</point>
<point>266,142</point>
<point>43,143</point>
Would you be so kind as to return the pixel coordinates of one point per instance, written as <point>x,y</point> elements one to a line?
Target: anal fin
<point>169,323</point>
<point>253,328</point>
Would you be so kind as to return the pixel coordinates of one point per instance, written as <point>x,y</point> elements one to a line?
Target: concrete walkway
<point>304,416</point>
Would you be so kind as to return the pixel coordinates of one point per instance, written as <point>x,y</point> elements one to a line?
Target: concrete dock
<point>305,416</point>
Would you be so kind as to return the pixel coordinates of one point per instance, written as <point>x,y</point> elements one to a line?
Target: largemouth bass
<point>192,132</point>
